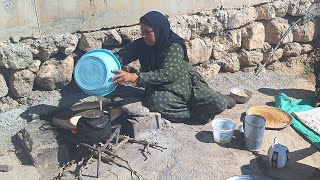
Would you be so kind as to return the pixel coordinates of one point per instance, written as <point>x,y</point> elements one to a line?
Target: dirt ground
<point>191,151</point>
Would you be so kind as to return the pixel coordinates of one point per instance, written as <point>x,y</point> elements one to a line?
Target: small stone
<point>166,123</point>
<point>5,168</point>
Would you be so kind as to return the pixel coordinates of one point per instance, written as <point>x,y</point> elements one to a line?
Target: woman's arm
<point>130,52</point>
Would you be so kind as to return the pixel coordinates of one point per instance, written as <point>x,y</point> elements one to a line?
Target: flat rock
<point>5,168</point>
<point>42,147</point>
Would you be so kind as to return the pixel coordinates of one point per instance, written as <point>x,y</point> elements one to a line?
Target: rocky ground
<point>192,152</point>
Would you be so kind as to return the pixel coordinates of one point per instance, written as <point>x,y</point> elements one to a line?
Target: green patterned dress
<point>174,89</point>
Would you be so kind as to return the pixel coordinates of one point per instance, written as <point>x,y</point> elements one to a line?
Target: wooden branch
<point>144,142</point>
<point>110,156</point>
<point>117,147</point>
<point>104,151</point>
<point>84,163</point>
<point>108,159</point>
<point>64,170</point>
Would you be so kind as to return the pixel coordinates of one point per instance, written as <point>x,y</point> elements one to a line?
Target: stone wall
<point>39,18</point>
<point>217,40</point>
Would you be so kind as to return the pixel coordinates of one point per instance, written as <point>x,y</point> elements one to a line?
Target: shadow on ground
<point>294,169</point>
<point>294,93</point>
<point>237,141</point>
<point>70,97</point>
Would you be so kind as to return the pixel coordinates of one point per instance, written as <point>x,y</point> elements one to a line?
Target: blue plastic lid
<point>93,74</point>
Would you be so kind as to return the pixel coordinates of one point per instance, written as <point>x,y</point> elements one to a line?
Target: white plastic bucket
<point>223,130</point>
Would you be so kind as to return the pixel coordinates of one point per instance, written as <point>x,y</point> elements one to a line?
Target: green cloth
<point>284,102</point>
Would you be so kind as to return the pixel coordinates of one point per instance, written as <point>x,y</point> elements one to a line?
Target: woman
<point>172,86</point>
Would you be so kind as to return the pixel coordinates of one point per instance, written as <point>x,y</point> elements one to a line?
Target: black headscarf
<point>164,37</point>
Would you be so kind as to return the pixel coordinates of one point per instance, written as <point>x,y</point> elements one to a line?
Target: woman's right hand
<point>124,76</point>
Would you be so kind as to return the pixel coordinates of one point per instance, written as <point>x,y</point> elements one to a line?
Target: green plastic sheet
<point>284,102</point>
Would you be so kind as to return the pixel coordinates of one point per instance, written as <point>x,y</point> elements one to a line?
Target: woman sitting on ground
<point>172,86</point>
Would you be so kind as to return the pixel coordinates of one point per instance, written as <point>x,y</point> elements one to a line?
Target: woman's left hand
<point>124,76</point>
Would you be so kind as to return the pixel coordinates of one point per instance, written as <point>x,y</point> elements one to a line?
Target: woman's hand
<point>124,76</point>
<point>317,104</point>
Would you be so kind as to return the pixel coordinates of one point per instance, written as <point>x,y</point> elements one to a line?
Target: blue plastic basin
<point>93,74</point>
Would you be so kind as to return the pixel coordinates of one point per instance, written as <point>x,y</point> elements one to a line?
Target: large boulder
<point>304,33</point>
<point>253,36</point>
<point>222,16</point>
<point>238,18</point>
<point>208,69</point>
<point>67,43</point>
<point>306,48</point>
<point>199,50</point>
<point>112,38</point>
<point>35,66</point>
<point>47,47</point>
<point>178,21</point>
<point>296,62</point>
<point>3,86</point>
<point>11,122</point>
<point>299,7</point>
<point>267,50</point>
<point>183,32</point>
<point>21,82</point>
<point>54,74</point>
<point>275,29</point>
<point>276,56</point>
<point>230,63</point>
<point>266,11</point>
<point>7,103</point>
<point>43,149</point>
<point>198,24</point>
<point>179,25</point>
<point>33,45</point>
<point>90,41</point>
<point>227,42</point>
<point>292,49</point>
<point>15,56</point>
<point>281,8</point>
<point>130,33</point>
<point>250,58</point>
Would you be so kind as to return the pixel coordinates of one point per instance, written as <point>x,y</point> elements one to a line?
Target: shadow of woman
<point>128,95</point>
<point>294,93</point>
<point>294,169</point>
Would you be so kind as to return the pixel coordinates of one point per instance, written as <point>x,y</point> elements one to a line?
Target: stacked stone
<point>242,39</point>
<point>221,39</point>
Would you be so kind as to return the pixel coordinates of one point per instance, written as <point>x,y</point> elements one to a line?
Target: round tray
<point>275,118</point>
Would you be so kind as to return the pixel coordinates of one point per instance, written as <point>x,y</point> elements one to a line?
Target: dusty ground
<point>192,152</point>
